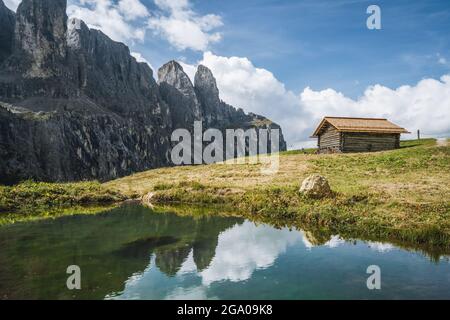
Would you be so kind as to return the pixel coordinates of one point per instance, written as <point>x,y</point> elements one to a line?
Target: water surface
<point>135,253</point>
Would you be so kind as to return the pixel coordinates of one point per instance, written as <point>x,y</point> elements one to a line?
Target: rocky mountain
<point>75,104</point>
<point>7,19</point>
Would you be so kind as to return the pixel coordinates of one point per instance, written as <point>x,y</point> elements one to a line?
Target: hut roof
<point>369,125</point>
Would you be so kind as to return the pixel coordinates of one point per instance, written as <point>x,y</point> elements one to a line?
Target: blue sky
<point>325,43</point>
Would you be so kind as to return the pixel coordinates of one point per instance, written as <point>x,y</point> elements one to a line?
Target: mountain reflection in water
<point>135,253</point>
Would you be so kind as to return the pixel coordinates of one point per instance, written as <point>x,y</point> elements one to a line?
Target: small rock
<point>147,199</point>
<point>316,186</point>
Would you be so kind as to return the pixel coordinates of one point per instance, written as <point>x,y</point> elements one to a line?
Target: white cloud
<point>116,20</point>
<point>120,20</point>
<point>140,58</point>
<point>335,242</point>
<point>442,60</point>
<point>126,20</point>
<point>12,4</point>
<point>245,248</point>
<point>191,293</point>
<point>423,106</point>
<point>381,247</point>
<point>257,90</point>
<point>184,28</point>
<point>132,9</point>
<point>188,265</point>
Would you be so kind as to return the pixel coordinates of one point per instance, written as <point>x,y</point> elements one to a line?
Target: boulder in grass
<point>316,186</point>
<point>147,199</point>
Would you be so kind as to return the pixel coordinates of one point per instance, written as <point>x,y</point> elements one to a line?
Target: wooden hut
<point>340,134</point>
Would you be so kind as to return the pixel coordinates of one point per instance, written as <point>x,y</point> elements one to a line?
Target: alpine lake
<point>134,252</point>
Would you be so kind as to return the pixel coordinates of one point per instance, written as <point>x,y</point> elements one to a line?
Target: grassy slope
<point>397,195</point>
<point>34,200</point>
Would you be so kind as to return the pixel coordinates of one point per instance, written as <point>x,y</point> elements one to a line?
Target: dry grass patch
<point>237,177</point>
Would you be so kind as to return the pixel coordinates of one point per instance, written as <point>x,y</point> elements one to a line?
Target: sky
<point>296,61</point>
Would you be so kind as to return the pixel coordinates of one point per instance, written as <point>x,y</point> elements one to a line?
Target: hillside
<point>401,194</point>
<point>398,196</point>
<point>416,173</point>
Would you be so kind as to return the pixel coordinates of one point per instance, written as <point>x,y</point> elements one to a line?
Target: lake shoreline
<point>357,210</point>
<point>31,200</point>
<point>204,246</point>
<point>398,195</point>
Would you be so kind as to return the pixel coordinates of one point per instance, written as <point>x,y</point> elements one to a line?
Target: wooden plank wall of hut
<point>330,138</point>
<point>365,142</point>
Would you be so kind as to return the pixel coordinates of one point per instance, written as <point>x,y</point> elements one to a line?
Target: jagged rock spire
<point>173,75</point>
<point>206,86</point>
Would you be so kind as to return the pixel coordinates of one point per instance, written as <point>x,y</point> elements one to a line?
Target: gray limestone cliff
<point>75,105</point>
<point>40,36</point>
<point>79,106</point>
<point>7,21</point>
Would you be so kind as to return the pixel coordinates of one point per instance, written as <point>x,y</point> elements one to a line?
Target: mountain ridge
<point>75,105</point>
